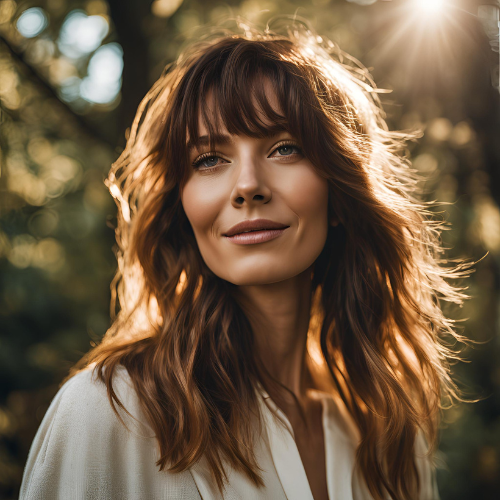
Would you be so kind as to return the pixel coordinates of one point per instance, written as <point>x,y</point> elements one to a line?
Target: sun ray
<point>420,43</point>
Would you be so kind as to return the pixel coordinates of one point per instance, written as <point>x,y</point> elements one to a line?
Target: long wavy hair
<point>377,326</point>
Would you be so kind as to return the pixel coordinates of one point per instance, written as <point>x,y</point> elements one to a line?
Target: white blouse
<point>82,451</point>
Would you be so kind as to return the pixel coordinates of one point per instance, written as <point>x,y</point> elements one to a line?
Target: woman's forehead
<point>261,85</point>
<point>261,92</point>
<point>213,114</point>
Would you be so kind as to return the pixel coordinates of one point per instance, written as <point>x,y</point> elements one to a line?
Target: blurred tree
<point>130,19</point>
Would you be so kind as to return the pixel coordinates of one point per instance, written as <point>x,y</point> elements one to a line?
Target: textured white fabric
<point>83,452</point>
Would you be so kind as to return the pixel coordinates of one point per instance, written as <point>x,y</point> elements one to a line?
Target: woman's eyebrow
<point>204,140</point>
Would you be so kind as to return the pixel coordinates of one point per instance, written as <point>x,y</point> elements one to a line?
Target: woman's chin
<point>255,277</point>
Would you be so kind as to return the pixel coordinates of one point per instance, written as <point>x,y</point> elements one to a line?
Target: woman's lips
<point>254,237</point>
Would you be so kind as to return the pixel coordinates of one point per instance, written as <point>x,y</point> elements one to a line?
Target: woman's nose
<point>251,185</point>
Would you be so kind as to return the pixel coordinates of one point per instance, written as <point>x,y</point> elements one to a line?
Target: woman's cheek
<point>201,205</point>
<point>308,197</point>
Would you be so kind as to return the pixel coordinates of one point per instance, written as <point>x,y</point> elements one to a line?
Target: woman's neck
<point>279,316</point>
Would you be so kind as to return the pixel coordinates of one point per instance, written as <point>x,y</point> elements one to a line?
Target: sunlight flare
<point>429,6</point>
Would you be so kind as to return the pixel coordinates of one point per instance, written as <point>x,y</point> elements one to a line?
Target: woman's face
<point>245,179</point>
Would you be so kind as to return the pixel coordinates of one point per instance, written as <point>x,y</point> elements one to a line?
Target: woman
<point>279,328</point>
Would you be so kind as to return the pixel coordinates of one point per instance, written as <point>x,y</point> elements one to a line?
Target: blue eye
<point>286,150</point>
<point>211,161</point>
<point>207,161</point>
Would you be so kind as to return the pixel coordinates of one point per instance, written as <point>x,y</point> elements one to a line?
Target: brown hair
<point>376,318</point>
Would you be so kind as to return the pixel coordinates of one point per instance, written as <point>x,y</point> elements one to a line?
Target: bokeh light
<point>103,82</point>
<point>165,8</point>
<point>81,34</point>
<point>70,89</point>
<point>32,22</point>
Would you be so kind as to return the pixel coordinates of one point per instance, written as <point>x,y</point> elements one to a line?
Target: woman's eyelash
<point>214,154</point>
<point>286,143</point>
<point>204,157</point>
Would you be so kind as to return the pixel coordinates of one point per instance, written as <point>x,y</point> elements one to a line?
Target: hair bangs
<point>245,91</point>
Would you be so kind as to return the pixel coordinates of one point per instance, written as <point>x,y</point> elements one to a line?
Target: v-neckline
<point>284,450</point>
<point>286,461</point>
<point>339,449</point>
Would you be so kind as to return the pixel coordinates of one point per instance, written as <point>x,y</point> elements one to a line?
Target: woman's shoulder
<point>82,446</point>
<point>83,403</point>
<point>85,390</point>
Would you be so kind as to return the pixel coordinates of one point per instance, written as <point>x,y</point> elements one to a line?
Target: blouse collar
<point>340,446</point>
